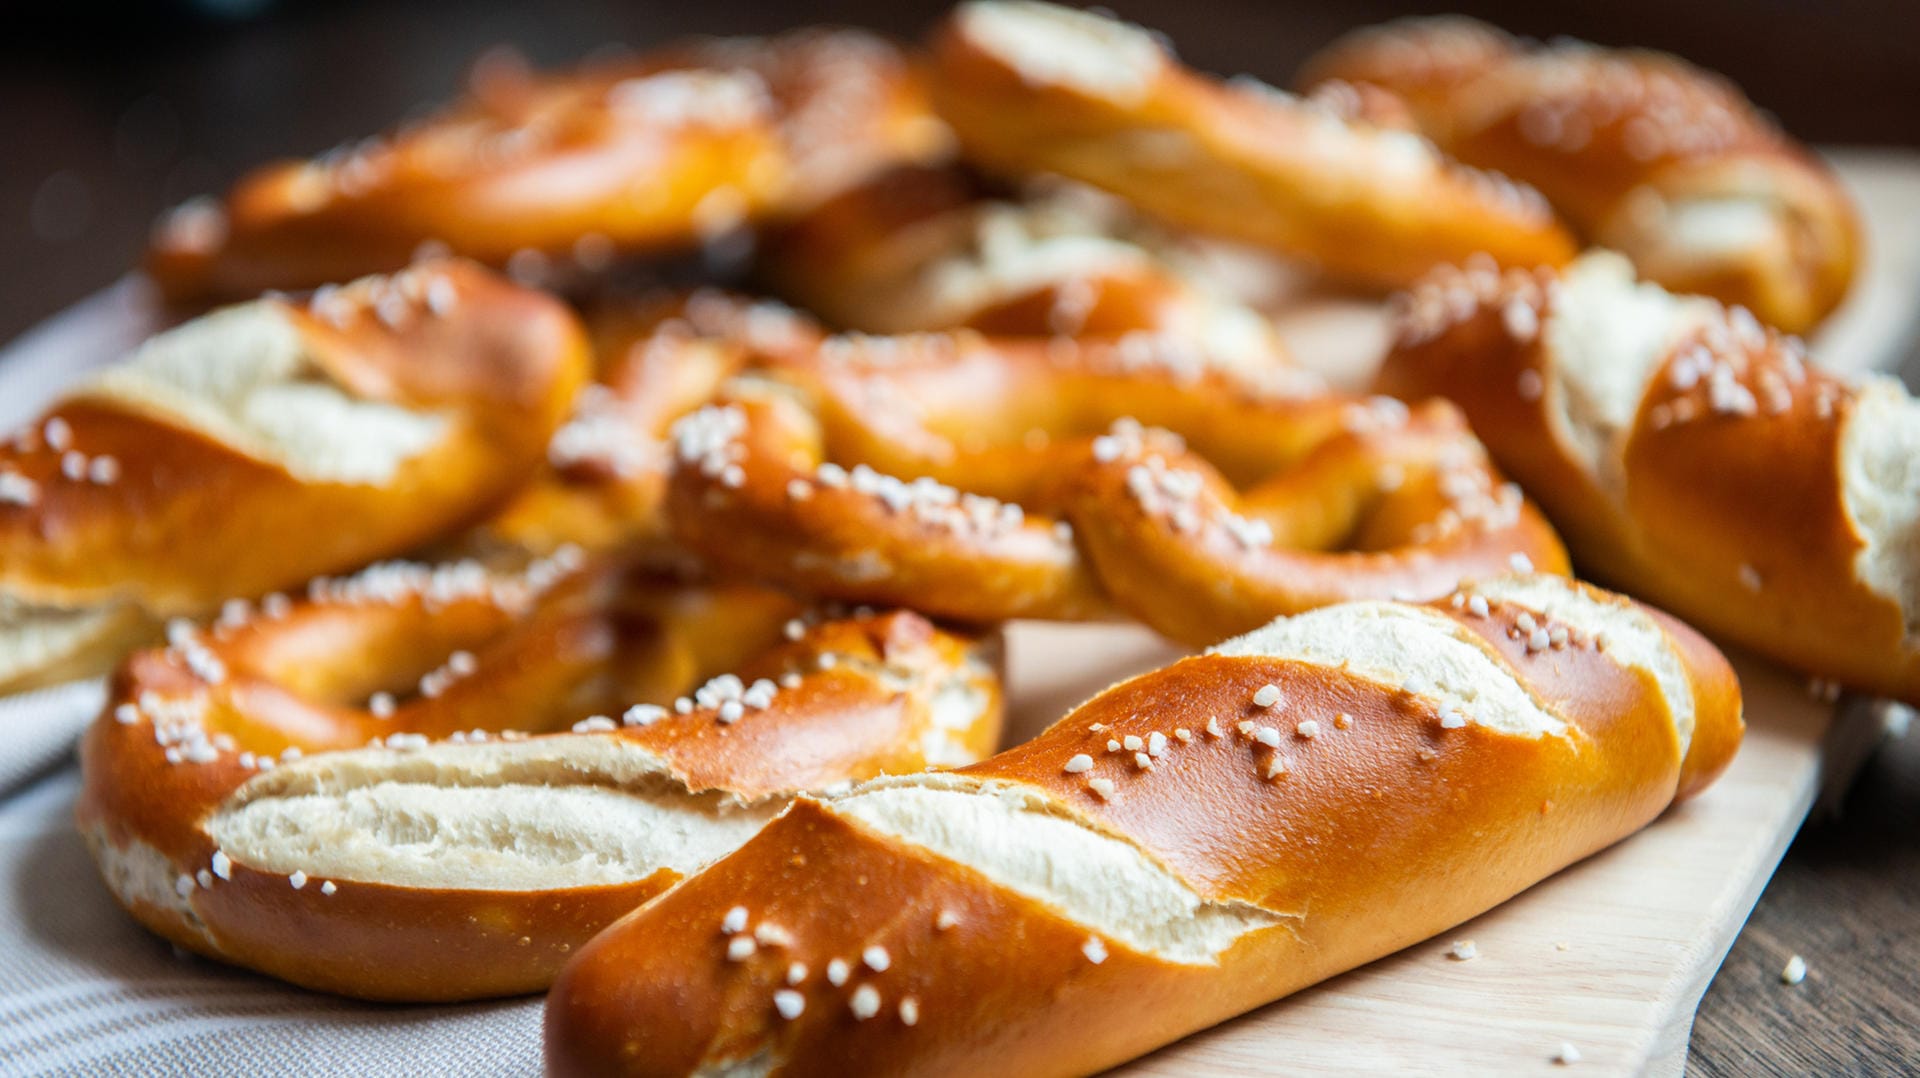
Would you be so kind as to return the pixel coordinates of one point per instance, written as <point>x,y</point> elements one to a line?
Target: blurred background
<point>112,111</point>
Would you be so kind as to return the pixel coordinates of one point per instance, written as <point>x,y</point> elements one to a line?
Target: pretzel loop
<point>798,476</point>
<point>304,785</point>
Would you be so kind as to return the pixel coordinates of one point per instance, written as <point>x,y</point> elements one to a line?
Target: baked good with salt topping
<point>250,449</point>
<point>1039,490</point>
<point>1036,88</point>
<point>558,175</point>
<point>1692,456</point>
<point>1075,902</point>
<point>1643,152</point>
<point>433,782</point>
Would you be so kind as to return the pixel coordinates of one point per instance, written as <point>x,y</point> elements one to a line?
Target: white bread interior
<point>541,814</point>
<point>140,876</point>
<point>1051,45</point>
<point>1406,646</point>
<point>244,376</point>
<point>1023,843</point>
<point>1608,335</point>
<point>1880,488</point>
<point>36,639</point>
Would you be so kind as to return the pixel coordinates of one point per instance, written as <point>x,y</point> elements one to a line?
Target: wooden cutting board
<point>1610,956</point>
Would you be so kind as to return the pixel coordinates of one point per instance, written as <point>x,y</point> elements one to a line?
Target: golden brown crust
<point>1642,151</point>
<point>634,156</point>
<point>194,730</point>
<point>1384,829</point>
<point>1373,206</point>
<point>1724,498</point>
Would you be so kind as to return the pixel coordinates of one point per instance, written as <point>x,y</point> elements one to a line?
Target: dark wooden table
<point>107,116</point>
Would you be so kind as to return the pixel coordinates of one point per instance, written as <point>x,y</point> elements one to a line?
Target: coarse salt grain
<point>643,715</point>
<point>1795,971</point>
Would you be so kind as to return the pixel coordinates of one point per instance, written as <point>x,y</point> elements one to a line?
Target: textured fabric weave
<point>85,990</point>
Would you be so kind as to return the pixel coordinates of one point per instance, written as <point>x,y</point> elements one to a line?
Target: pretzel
<point>542,174</point>
<point>1186,846</point>
<point>1643,152</point>
<point>604,483</point>
<point>265,794</point>
<point>1691,456</point>
<point>1031,87</point>
<point>255,447</point>
<point>1019,505</point>
<point>918,249</point>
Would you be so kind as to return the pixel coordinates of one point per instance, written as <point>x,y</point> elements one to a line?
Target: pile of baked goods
<point>485,616</point>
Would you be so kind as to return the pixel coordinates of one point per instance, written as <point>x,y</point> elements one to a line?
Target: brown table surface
<point>104,122</point>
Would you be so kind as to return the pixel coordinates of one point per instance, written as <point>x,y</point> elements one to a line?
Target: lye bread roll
<point>1185,846</point>
<point>1690,455</point>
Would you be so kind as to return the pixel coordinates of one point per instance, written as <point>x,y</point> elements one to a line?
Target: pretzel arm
<point>276,792</point>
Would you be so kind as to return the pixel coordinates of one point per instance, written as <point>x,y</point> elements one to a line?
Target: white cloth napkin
<point>41,727</point>
<point>84,990</point>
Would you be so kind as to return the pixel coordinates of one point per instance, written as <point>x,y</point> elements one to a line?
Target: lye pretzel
<point>1185,846</point>
<point>985,479</point>
<point>435,782</point>
<point>570,171</point>
<point>1031,87</point>
<point>1643,152</point>
<point>260,445</point>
